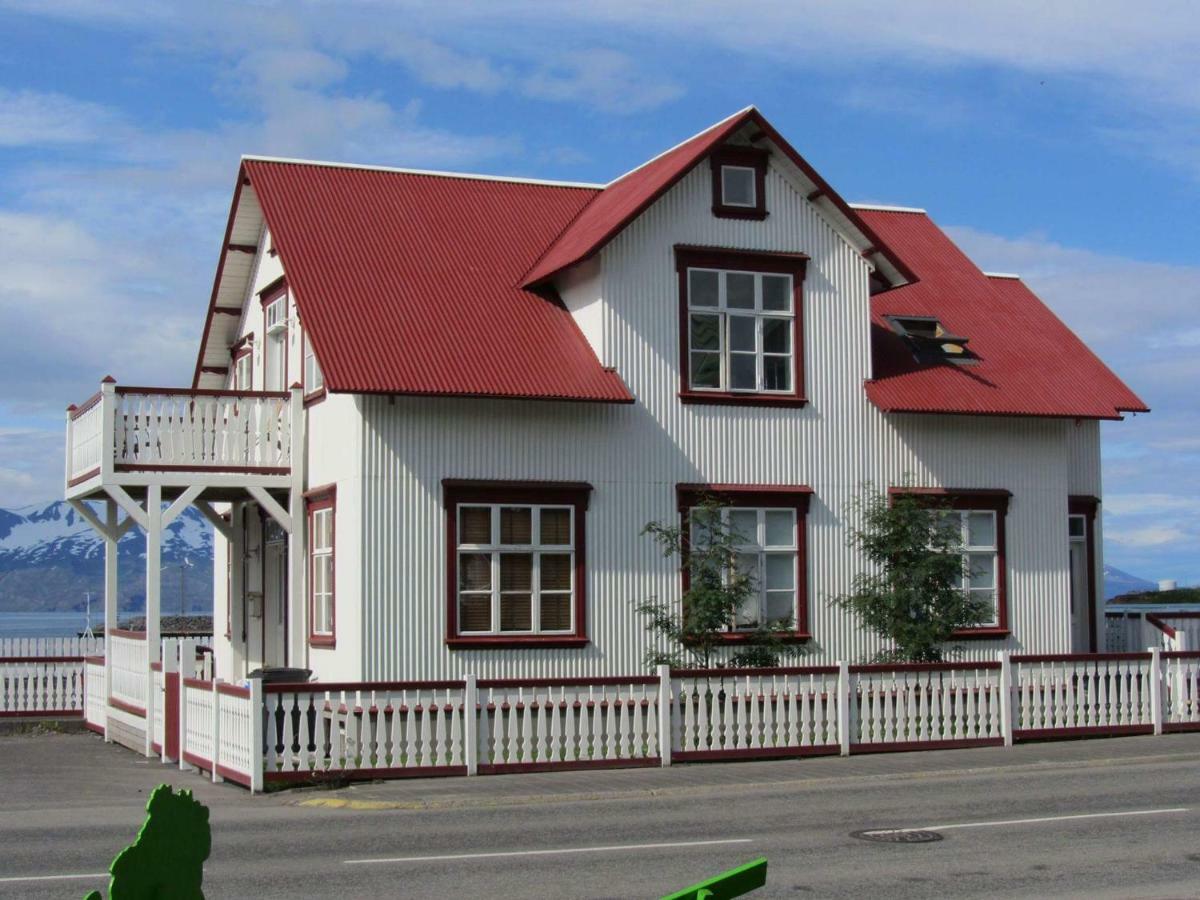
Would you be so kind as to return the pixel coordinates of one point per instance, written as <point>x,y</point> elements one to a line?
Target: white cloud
<point>606,79</point>
<point>1149,504</point>
<point>33,118</point>
<point>1149,536</point>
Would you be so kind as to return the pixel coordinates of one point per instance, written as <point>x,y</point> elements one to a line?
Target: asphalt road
<point>1116,818</point>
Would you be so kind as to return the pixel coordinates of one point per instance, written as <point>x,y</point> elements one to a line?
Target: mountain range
<point>50,558</point>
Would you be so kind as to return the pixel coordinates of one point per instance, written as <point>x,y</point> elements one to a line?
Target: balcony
<point>133,437</point>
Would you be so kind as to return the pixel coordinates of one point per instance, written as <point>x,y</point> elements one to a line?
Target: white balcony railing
<point>124,429</point>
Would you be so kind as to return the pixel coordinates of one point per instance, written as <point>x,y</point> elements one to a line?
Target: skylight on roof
<point>930,341</point>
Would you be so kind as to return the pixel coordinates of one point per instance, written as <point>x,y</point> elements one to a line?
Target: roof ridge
<point>437,173</point>
<point>880,207</point>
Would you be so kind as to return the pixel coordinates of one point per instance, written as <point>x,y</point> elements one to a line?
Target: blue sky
<point>1060,141</point>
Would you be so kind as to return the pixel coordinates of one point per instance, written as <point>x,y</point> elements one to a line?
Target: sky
<point>1059,141</point>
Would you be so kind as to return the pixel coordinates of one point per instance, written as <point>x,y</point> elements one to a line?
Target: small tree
<point>717,591</point>
<point>914,595</point>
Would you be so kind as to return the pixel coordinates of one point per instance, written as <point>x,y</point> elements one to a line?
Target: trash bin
<point>285,675</point>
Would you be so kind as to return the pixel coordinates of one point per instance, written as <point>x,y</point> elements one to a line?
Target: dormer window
<point>739,182</point>
<point>930,341</point>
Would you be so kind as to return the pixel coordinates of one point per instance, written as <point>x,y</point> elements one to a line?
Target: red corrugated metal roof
<point>1029,362</point>
<point>409,283</point>
<point>626,198</point>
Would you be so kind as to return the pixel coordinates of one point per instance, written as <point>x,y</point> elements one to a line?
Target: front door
<point>275,555</point>
<point>1081,585</point>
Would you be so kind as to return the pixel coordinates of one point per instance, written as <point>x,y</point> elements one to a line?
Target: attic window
<point>739,176</point>
<point>930,340</point>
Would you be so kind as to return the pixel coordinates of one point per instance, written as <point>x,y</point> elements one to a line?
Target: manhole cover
<point>897,836</point>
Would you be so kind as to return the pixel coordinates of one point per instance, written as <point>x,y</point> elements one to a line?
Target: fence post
<point>843,707</point>
<point>183,689</point>
<point>257,710</point>
<point>170,665</point>
<point>1178,690</point>
<point>216,731</point>
<point>471,724</point>
<point>665,711</point>
<point>1156,686</point>
<point>1006,697</point>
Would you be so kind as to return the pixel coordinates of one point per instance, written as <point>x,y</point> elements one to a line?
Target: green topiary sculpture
<point>167,859</point>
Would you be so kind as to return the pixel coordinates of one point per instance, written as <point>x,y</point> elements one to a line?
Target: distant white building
<point>496,383</point>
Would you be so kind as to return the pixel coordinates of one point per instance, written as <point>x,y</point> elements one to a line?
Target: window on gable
<point>516,564</point>
<point>314,379</point>
<point>275,341</point>
<point>739,175</point>
<point>742,337</point>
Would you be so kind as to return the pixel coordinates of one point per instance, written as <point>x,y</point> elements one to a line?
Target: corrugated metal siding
<point>635,455</point>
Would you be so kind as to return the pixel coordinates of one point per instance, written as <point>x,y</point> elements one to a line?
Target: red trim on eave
<point>212,303</point>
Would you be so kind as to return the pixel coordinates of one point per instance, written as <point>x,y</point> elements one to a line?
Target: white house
<point>501,381</point>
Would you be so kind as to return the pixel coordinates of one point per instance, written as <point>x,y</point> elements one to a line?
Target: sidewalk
<point>690,779</point>
<point>72,771</point>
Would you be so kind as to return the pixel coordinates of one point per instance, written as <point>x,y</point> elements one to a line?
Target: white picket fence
<point>95,710</point>
<point>253,734</point>
<point>41,686</point>
<point>760,713</point>
<point>130,665</point>
<point>51,646</point>
<point>532,723</point>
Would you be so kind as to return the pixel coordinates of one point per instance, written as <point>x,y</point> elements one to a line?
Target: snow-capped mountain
<point>1117,582</point>
<point>50,557</point>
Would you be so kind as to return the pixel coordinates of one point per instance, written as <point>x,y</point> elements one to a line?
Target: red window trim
<point>315,396</point>
<point>744,157</point>
<point>314,500</point>
<point>794,264</point>
<point>1088,506</point>
<point>778,496</point>
<point>456,491</point>
<point>996,500</point>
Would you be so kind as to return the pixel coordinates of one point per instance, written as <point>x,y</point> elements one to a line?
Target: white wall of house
<point>634,456</point>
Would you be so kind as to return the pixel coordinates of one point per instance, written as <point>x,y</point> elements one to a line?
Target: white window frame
<point>496,549</point>
<point>725,201</point>
<point>322,601</point>
<point>243,372</point>
<point>724,312</point>
<point>762,550</point>
<point>276,317</point>
<point>314,378</point>
<point>968,550</point>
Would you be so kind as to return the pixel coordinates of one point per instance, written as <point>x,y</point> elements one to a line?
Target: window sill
<point>723,398</point>
<point>507,642</point>
<point>314,397</point>
<point>739,212</point>
<point>792,637</point>
<point>322,640</point>
<point>988,632</point>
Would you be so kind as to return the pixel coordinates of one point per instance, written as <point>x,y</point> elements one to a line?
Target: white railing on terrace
<point>1181,682</point>
<point>164,429</point>
<point>130,664</point>
<point>198,723</point>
